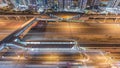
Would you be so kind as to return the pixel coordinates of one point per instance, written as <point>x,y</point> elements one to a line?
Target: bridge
<point>15,35</point>
<point>15,38</point>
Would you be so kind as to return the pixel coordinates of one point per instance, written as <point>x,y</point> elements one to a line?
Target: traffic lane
<point>8,27</point>
<point>3,36</point>
<point>60,24</point>
<point>103,21</point>
<point>99,45</point>
<point>50,45</point>
<point>83,30</point>
<point>11,25</point>
<point>80,31</point>
<point>82,25</point>
<point>10,58</point>
<point>72,31</point>
<point>82,40</point>
<point>97,57</point>
<point>18,62</point>
<point>12,55</point>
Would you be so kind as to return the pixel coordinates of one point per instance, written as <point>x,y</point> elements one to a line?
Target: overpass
<point>41,19</point>
<point>15,35</point>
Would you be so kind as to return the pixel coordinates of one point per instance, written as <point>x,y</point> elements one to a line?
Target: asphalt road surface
<point>8,26</point>
<point>11,59</point>
<point>80,32</point>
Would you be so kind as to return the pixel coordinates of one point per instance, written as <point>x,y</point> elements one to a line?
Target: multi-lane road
<point>11,59</point>
<point>86,34</point>
<point>9,26</point>
<point>104,37</point>
<point>81,32</point>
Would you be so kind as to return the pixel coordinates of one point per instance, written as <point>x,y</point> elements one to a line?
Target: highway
<point>8,26</point>
<point>90,36</point>
<point>103,37</point>
<point>13,59</point>
<point>81,32</point>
